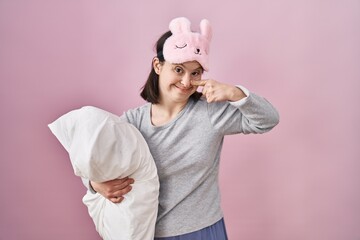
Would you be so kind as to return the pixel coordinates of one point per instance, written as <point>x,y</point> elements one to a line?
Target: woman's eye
<point>195,74</point>
<point>178,69</point>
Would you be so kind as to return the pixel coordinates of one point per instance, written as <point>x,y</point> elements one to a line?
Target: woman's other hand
<point>114,190</point>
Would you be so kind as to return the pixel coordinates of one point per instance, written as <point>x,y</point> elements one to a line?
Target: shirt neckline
<point>181,113</point>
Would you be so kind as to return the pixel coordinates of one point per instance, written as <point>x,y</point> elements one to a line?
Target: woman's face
<point>175,80</point>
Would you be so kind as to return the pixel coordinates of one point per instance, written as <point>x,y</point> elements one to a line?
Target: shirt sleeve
<point>252,114</point>
<point>86,183</point>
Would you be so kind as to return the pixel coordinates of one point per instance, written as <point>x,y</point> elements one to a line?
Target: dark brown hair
<point>150,90</point>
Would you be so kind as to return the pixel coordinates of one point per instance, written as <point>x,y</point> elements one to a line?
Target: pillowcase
<point>102,148</point>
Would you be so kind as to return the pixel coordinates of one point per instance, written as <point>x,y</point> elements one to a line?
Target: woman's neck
<point>163,113</point>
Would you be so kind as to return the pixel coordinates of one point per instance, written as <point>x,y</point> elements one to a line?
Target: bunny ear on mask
<point>180,25</point>
<point>205,29</point>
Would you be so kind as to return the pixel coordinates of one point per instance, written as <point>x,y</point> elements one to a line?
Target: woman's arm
<point>233,109</point>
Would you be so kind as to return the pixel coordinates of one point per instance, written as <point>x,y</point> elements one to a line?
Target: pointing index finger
<point>198,82</point>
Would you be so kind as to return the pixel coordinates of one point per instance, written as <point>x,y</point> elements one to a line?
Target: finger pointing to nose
<point>198,82</point>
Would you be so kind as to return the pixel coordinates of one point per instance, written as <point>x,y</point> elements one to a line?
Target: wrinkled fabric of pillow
<point>102,148</point>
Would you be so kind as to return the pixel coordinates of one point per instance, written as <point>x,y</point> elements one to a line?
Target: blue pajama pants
<point>217,231</point>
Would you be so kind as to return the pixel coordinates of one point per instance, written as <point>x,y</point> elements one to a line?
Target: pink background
<point>299,182</point>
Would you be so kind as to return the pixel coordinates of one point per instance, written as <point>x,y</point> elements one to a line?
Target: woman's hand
<point>114,190</point>
<point>216,92</point>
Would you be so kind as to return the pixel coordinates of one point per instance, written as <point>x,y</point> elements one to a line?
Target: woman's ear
<point>157,65</point>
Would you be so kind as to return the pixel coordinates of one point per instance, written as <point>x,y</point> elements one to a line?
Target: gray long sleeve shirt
<point>187,154</point>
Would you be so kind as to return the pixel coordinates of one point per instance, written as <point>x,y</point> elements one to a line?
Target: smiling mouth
<point>184,88</point>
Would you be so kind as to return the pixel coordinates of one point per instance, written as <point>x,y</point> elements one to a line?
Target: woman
<point>185,133</point>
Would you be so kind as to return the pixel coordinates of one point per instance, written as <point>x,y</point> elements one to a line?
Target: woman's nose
<point>185,80</point>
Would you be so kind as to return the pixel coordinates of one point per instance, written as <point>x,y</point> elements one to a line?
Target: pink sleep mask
<point>184,45</point>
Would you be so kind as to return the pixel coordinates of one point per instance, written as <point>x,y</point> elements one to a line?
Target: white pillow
<point>102,148</point>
